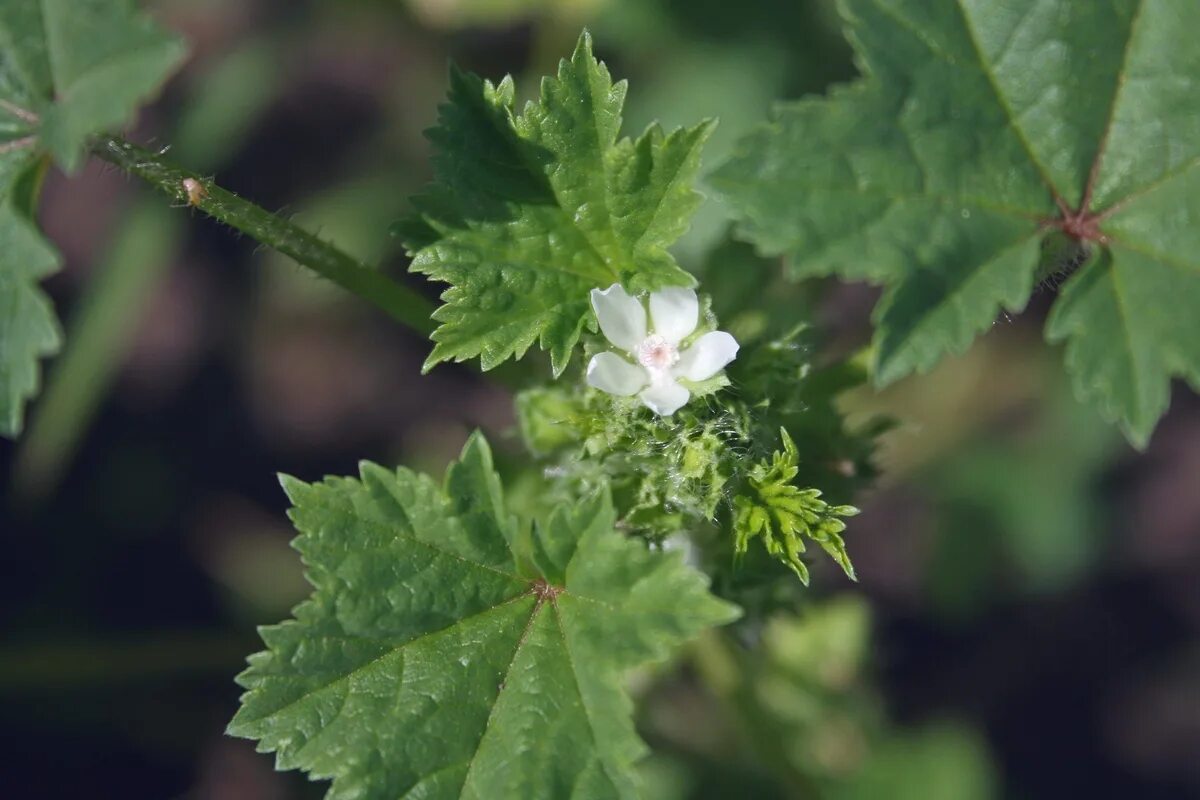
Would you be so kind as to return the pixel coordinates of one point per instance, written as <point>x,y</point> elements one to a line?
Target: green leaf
<point>980,129</point>
<point>784,515</point>
<point>802,688</point>
<point>449,651</point>
<point>68,69</point>
<point>1130,317</point>
<point>531,212</point>
<point>28,327</point>
<point>78,67</point>
<point>938,761</point>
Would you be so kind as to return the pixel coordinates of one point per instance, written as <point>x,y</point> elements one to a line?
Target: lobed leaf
<point>29,328</point>
<point>783,515</point>
<point>529,213</point>
<point>979,129</point>
<point>450,651</point>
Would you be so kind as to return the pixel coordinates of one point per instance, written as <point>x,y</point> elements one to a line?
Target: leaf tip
<point>292,486</point>
<point>887,369</point>
<point>1138,434</point>
<point>584,45</point>
<point>477,448</point>
<point>727,612</point>
<point>432,360</point>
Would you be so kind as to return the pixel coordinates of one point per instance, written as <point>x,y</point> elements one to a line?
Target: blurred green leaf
<point>465,13</point>
<point>68,69</point>
<point>225,101</point>
<point>1021,511</point>
<point>77,67</point>
<point>449,651</point>
<point>979,127</point>
<point>222,103</point>
<point>939,762</point>
<point>807,711</point>
<point>100,329</point>
<point>799,698</point>
<point>28,326</point>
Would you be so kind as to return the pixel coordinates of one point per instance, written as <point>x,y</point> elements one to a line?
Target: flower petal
<point>665,397</point>
<point>622,318</point>
<point>610,373</point>
<point>706,357</point>
<point>674,313</point>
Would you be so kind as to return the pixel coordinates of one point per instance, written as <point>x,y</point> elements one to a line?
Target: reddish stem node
<point>545,590</point>
<point>1080,225</point>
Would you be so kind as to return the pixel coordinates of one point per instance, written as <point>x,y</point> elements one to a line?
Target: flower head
<point>655,362</point>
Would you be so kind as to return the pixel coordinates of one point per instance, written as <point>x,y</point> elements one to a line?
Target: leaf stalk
<point>405,305</point>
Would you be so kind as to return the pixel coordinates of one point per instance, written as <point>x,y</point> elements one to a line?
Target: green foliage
<point>456,14</point>
<point>87,64</point>
<point>28,326</point>
<point>71,68</point>
<point>710,466</point>
<point>941,761</point>
<point>801,697</point>
<point>1019,511</point>
<point>803,702</point>
<point>531,212</point>
<point>667,474</point>
<point>449,650</point>
<point>784,515</point>
<point>980,130</point>
<point>68,69</point>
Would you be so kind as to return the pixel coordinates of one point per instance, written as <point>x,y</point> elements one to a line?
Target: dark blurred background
<point>1027,619</point>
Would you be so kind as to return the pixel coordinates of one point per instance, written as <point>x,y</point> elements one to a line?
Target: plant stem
<point>405,305</point>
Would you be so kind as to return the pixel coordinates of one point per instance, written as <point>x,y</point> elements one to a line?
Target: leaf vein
<point>1094,171</point>
<point>1121,204</point>
<point>537,606</point>
<point>587,712</point>
<point>411,537</point>
<point>395,648</point>
<point>1017,130</point>
<point>660,203</point>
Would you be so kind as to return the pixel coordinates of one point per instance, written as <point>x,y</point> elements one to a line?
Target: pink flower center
<point>655,352</point>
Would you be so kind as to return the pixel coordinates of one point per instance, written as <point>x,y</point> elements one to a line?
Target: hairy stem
<point>405,305</point>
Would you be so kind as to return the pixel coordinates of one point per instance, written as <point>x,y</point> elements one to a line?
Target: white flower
<point>658,364</point>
